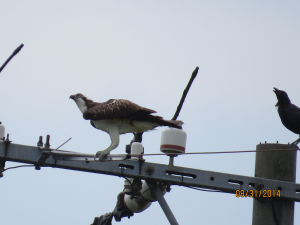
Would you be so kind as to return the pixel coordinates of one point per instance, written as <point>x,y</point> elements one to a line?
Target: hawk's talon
<point>101,155</point>
<point>296,142</point>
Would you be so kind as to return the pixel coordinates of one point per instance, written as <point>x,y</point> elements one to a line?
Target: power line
<point>221,152</point>
<point>14,167</point>
<point>202,189</point>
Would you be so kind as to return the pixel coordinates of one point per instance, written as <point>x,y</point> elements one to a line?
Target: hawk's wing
<point>115,109</point>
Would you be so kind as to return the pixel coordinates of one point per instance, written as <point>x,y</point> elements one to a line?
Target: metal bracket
<point>6,143</point>
<point>162,202</point>
<point>3,159</point>
<point>174,175</point>
<point>45,155</point>
<point>2,165</point>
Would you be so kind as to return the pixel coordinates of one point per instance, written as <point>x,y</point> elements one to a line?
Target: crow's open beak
<point>275,91</point>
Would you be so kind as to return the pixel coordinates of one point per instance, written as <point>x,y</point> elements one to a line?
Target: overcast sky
<point>144,51</point>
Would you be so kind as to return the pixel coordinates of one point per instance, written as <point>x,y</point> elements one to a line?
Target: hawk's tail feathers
<point>175,123</point>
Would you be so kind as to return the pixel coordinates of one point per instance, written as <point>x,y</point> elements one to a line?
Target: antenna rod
<point>194,74</point>
<point>12,55</point>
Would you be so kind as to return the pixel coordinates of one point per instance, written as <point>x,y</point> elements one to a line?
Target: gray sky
<point>144,51</point>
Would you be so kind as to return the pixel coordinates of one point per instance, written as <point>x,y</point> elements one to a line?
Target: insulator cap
<point>173,140</point>
<point>137,150</point>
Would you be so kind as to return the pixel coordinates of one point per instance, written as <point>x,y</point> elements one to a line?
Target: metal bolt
<point>40,142</point>
<point>168,188</point>
<point>259,186</point>
<point>47,144</point>
<point>37,167</point>
<point>149,170</point>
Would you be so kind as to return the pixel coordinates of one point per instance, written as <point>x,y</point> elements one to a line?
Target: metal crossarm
<point>174,175</point>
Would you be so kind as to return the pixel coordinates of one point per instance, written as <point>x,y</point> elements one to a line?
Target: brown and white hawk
<point>119,116</point>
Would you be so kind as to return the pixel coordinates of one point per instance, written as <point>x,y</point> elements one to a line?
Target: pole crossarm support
<point>174,175</point>
<point>163,203</point>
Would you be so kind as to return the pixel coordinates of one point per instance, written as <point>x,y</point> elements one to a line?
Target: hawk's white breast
<point>125,125</point>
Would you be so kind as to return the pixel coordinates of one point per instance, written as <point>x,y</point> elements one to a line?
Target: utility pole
<point>276,165</point>
<point>275,172</point>
<point>118,165</point>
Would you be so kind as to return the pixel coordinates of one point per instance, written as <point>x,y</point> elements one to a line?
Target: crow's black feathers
<point>288,112</point>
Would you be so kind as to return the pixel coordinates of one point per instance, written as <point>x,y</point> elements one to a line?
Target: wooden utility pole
<point>276,165</point>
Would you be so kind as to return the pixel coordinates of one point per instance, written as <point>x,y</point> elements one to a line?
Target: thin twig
<point>194,74</point>
<point>10,57</point>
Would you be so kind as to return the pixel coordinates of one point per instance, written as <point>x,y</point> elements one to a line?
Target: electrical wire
<point>273,208</point>
<point>14,167</point>
<point>221,152</point>
<point>274,213</point>
<point>202,189</point>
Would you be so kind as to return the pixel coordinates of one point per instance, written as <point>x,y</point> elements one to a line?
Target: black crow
<point>288,113</point>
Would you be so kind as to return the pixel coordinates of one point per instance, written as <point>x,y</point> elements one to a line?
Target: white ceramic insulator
<point>147,194</point>
<point>2,132</point>
<point>136,204</point>
<point>136,150</point>
<point>173,140</point>
<point>143,202</point>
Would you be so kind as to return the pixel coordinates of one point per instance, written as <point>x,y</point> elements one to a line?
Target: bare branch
<point>12,55</point>
<point>194,74</point>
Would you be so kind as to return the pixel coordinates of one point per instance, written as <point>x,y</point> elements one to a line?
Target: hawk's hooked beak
<point>72,97</point>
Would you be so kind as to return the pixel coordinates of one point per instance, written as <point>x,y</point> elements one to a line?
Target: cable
<point>273,209</point>
<point>202,189</point>
<point>274,213</point>
<point>14,167</point>
<point>222,152</point>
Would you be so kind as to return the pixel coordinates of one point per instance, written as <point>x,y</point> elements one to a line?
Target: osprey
<point>119,116</point>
